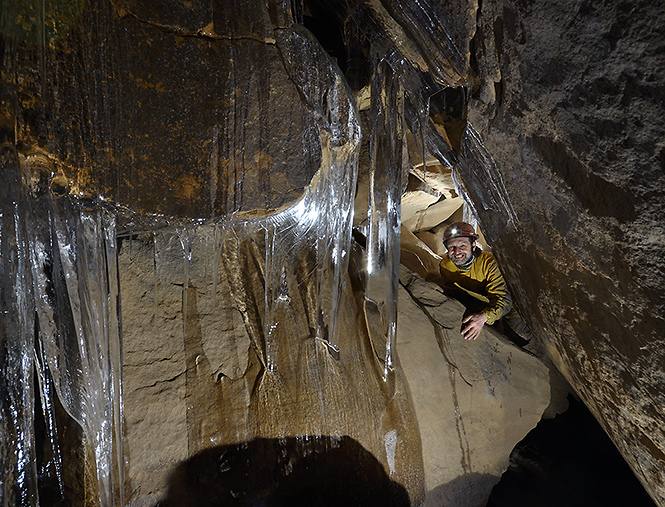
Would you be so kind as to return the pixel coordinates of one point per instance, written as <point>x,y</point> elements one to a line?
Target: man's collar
<point>467,265</point>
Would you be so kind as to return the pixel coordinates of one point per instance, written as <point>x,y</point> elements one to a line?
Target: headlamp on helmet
<point>459,230</point>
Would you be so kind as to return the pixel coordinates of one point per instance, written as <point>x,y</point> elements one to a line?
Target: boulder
<point>474,400</point>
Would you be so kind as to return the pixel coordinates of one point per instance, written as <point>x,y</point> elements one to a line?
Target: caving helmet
<point>459,230</point>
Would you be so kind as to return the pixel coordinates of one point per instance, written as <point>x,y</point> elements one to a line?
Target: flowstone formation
<point>203,211</point>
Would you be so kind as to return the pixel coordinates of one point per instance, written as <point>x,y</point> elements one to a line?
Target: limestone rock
<point>436,176</point>
<point>183,110</point>
<point>431,216</point>
<point>189,112</point>
<point>474,400</point>
<point>425,207</point>
<point>570,104</point>
<point>192,384</point>
<point>418,255</point>
<point>416,197</point>
<point>202,380</point>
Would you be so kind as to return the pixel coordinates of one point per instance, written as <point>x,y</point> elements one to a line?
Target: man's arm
<point>499,305</point>
<point>497,293</point>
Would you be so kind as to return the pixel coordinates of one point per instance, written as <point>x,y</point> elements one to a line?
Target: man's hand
<point>474,323</point>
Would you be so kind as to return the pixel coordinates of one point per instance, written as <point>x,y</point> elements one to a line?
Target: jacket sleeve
<point>444,280</point>
<point>497,293</point>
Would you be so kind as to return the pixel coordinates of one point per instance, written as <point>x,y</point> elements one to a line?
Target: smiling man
<point>473,277</point>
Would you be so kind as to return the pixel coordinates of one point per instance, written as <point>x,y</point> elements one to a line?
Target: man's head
<point>460,241</point>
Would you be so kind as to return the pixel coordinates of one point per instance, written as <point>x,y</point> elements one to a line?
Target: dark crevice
<point>568,460</point>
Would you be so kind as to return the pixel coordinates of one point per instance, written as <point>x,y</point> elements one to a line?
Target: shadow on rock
<point>307,471</point>
<point>472,489</point>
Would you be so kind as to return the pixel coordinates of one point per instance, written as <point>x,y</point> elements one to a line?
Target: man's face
<point>460,250</point>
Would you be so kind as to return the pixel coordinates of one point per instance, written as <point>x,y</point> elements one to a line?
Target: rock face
<point>473,399</point>
<point>569,102</point>
<point>195,391</point>
<point>547,121</point>
<point>199,390</point>
<point>181,111</point>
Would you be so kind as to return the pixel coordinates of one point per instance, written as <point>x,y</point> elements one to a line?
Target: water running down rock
<point>177,266</point>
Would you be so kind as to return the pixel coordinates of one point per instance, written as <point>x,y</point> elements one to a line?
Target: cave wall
<point>568,99</point>
<point>182,111</point>
<point>196,397</point>
<point>211,420</point>
<point>562,164</point>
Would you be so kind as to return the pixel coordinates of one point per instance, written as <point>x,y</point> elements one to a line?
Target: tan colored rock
<point>436,176</point>
<point>433,215</point>
<point>474,400</point>
<point>418,255</point>
<point>433,241</point>
<point>154,373</point>
<point>414,202</point>
<point>197,370</point>
<point>193,381</point>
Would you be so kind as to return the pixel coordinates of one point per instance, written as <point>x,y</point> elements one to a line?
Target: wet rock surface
<point>196,400</point>
<point>198,383</point>
<point>179,111</point>
<point>186,111</point>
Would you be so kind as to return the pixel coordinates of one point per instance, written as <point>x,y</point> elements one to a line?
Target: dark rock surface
<point>171,110</point>
<point>298,472</point>
<point>568,460</point>
<point>569,103</point>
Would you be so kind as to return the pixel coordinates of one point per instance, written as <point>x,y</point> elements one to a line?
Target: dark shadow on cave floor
<point>568,461</point>
<point>288,472</point>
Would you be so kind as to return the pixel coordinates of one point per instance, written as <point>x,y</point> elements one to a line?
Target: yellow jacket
<point>482,281</point>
